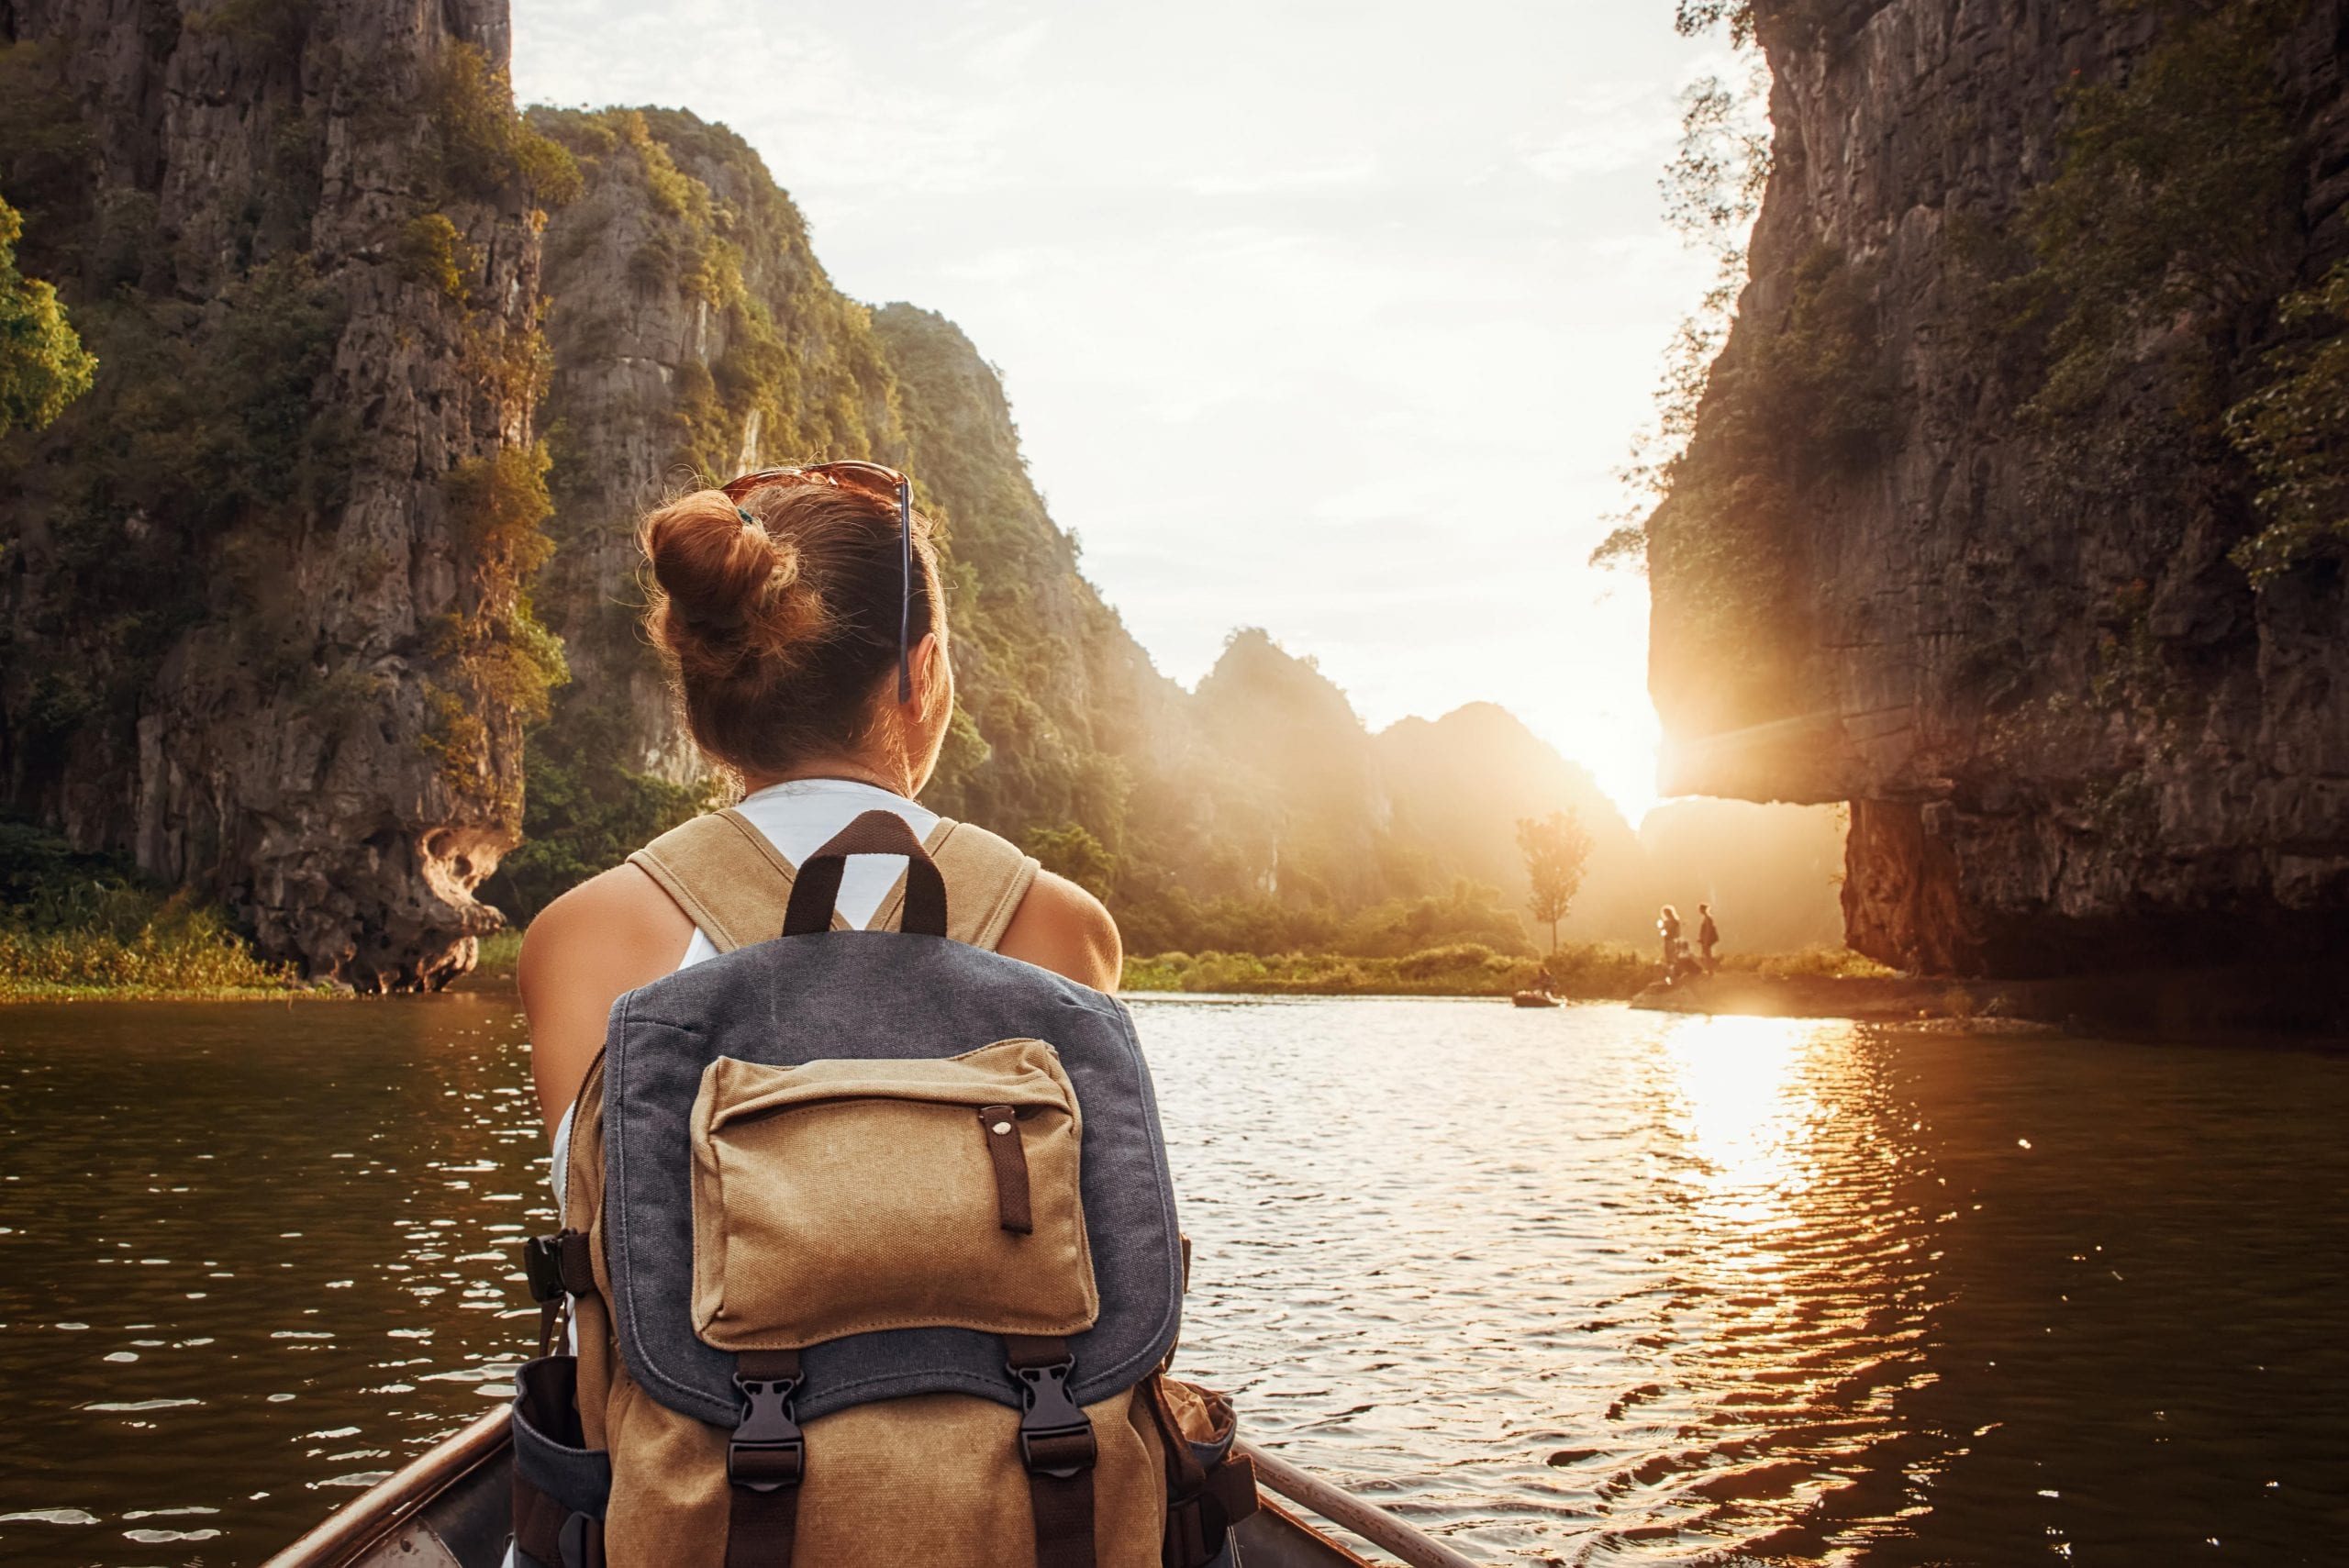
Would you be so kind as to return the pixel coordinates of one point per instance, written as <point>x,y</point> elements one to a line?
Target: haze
<point>1334,320</point>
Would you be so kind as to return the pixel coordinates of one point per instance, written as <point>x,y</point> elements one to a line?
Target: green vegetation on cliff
<point>43,366</point>
<point>692,333</point>
<point>2294,431</point>
<point>2174,217</point>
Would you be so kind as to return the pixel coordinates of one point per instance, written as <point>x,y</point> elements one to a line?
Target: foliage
<point>72,923</point>
<point>1071,850</point>
<point>431,251</point>
<point>209,416</point>
<point>178,950</point>
<point>1694,18</point>
<point>1592,971</point>
<point>585,812</point>
<point>1556,848</point>
<point>2172,194</point>
<point>484,147</point>
<point>2295,433</point>
<point>1806,964</point>
<point>1784,410</point>
<point>499,955</point>
<point>1470,912</point>
<point>1712,190</point>
<point>200,442</point>
<point>1172,916</point>
<point>497,660</point>
<point>48,156</point>
<point>43,366</point>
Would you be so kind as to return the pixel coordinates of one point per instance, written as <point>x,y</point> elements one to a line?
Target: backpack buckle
<point>542,1266</point>
<point>767,1452</point>
<point>1055,1439</point>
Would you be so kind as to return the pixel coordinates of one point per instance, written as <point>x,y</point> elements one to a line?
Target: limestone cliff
<point>1981,529</point>
<point>261,591</point>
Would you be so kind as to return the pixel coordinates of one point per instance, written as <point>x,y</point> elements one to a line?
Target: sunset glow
<point>1282,355</point>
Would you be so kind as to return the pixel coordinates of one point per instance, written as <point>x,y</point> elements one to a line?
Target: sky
<point>1331,318</point>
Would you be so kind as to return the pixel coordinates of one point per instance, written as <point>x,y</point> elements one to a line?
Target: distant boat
<point>1534,999</point>
<point>451,1507</point>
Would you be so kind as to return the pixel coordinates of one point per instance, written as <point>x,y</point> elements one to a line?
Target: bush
<point>2294,431</point>
<point>76,924</point>
<point>43,366</point>
<point>430,251</point>
<point>484,144</point>
<point>1810,962</point>
<point>179,949</point>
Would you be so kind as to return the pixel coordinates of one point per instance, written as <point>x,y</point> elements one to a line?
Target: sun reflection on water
<point>1744,1114</point>
<point>1772,1162</point>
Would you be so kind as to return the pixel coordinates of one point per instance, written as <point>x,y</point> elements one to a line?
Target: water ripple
<point>1578,1286</point>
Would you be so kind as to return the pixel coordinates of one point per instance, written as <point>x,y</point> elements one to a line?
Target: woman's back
<point>800,613</point>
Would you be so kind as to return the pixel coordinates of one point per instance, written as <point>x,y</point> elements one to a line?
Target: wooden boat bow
<point>448,1508</point>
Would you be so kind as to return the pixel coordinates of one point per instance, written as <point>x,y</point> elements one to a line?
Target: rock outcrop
<point>259,598</point>
<point>1966,535</point>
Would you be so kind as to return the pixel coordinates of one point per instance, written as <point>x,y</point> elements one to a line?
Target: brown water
<point>1586,1285</point>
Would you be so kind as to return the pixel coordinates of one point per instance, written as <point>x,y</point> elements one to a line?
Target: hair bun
<point>729,587</point>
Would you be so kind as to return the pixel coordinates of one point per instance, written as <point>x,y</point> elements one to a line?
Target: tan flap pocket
<point>843,1196</point>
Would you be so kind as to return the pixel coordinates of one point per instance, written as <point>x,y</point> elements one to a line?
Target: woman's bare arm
<point>602,939</point>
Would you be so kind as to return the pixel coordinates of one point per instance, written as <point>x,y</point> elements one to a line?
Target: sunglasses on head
<point>868,479</point>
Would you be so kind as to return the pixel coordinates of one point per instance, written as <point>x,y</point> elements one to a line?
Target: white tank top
<point>797,819</point>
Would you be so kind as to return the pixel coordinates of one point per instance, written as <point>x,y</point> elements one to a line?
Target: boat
<point>1534,999</point>
<point>451,1507</point>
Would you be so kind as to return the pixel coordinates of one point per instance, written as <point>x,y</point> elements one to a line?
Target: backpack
<point>870,1250</point>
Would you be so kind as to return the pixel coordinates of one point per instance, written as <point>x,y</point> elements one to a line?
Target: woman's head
<point>778,609</point>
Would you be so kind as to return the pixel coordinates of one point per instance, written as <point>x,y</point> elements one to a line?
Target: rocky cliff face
<point>1973,531</point>
<point>694,335</point>
<point>260,594</point>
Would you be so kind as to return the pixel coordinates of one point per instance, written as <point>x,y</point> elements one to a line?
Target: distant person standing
<point>1709,937</point>
<point>1667,925</point>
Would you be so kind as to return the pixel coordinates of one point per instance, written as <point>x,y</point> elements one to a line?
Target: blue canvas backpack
<point>871,1253</point>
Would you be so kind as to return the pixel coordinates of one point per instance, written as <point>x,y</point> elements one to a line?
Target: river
<point>1589,1286</point>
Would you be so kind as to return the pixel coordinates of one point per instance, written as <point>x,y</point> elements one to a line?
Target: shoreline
<point>2238,1004</point>
<point>65,996</point>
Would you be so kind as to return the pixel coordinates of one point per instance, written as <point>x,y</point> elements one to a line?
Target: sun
<point>1622,751</point>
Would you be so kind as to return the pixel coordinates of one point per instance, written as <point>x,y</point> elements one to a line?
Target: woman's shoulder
<point>618,922</point>
<point>1061,927</point>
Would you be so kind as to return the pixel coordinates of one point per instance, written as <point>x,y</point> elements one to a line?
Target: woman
<point>809,650</point>
<point>1667,925</point>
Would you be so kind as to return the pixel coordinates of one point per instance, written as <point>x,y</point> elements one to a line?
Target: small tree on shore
<point>1556,849</point>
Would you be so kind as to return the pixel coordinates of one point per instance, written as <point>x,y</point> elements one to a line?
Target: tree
<point>1555,848</point>
<point>1071,850</point>
<point>43,366</point>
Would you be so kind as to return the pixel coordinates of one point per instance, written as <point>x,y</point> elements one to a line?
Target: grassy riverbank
<point>174,952</point>
<point>75,926</point>
<point>1584,971</point>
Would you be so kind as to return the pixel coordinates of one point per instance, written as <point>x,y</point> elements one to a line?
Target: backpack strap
<point>986,876</point>
<point>736,886</point>
<point>728,879</point>
<point>1058,1449</point>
